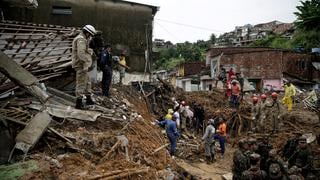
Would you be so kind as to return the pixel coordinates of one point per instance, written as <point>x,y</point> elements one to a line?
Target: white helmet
<point>90,29</point>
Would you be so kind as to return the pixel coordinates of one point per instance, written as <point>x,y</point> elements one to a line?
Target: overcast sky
<point>192,20</point>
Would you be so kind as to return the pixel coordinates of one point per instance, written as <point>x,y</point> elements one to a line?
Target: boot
<point>208,159</point>
<point>89,100</point>
<point>79,103</point>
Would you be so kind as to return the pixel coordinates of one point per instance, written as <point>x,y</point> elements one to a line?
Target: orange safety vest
<point>223,129</point>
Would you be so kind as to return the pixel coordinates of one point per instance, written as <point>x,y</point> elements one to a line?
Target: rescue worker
<point>263,112</point>
<point>289,93</point>
<point>240,160</point>
<point>183,116</point>
<point>81,62</point>
<point>255,113</point>
<point>199,117</point>
<point>121,68</point>
<point>303,157</point>
<point>275,111</point>
<point>176,114</point>
<point>221,134</point>
<point>275,172</point>
<point>106,63</point>
<point>235,93</point>
<point>209,142</point>
<point>252,146</point>
<point>274,159</point>
<point>172,133</point>
<point>254,172</point>
<point>264,148</point>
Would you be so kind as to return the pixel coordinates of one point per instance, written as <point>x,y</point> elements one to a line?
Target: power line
<point>174,36</point>
<point>191,26</point>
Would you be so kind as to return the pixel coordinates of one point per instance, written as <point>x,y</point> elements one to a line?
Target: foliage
<point>213,38</point>
<point>308,15</point>
<point>180,53</point>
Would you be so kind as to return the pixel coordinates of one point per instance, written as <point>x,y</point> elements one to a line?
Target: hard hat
<point>272,153</point>
<point>275,171</point>
<point>254,157</point>
<point>252,141</point>
<point>263,96</point>
<point>90,29</point>
<point>170,111</point>
<point>274,95</point>
<point>233,77</point>
<point>255,99</point>
<point>242,142</point>
<point>168,117</point>
<point>183,103</point>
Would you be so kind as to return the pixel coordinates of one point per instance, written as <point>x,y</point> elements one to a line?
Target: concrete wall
<point>270,64</point>
<point>123,23</point>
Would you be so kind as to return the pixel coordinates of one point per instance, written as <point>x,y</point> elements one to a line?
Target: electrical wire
<point>191,26</point>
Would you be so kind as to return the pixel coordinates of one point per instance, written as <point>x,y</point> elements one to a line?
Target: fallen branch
<point>106,157</point>
<point>160,148</point>
<point>110,173</point>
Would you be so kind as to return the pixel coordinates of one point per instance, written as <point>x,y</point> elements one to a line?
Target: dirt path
<point>213,171</point>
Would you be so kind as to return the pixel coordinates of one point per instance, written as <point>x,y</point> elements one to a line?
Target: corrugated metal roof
<point>316,65</point>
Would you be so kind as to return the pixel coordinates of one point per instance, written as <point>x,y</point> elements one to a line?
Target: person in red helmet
<point>255,113</point>
<point>275,111</point>
<point>263,112</point>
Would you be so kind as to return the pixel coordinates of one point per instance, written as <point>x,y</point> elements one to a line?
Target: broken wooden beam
<point>22,77</point>
<point>160,148</point>
<point>118,174</point>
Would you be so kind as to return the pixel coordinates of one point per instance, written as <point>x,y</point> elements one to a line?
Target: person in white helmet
<point>81,61</point>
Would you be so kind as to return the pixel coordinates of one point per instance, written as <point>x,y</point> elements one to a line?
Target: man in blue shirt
<point>105,65</point>
<point>172,133</point>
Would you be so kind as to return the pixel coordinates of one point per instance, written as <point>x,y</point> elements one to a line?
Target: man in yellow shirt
<point>122,68</point>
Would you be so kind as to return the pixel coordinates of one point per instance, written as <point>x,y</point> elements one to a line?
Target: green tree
<point>308,15</point>
<point>213,38</point>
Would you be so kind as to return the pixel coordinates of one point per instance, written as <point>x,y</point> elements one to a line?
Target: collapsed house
<point>267,68</point>
<point>127,26</point>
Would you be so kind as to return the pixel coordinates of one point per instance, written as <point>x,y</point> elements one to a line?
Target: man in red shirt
<point>235,94</point>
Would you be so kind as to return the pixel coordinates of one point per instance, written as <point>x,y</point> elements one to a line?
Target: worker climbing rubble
<point>274,109</point>
<point>172,133</point>
<point>289,94</point>
<point>81,62</point>
<point>209,142</point>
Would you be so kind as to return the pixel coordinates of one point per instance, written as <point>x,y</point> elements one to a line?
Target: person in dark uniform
<point>105,64</point>
<point>240,160</point>
<point>303,157</point>
<point>254,172</point>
